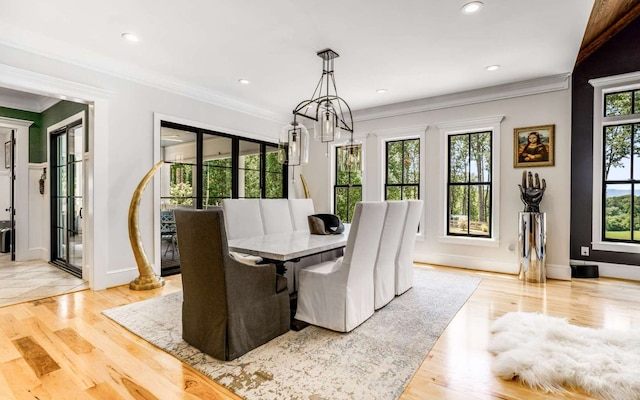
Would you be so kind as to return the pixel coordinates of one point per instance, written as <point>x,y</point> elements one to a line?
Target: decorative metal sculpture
<point>147,279</point>
<point>531,192</point>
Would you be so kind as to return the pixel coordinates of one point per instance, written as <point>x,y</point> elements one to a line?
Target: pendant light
<point>325,107</point>
<point>293,145</point>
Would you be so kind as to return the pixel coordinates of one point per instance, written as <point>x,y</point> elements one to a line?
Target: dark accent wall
<point>41,121</point>
<point>618,56</point>
<point>35,130</point>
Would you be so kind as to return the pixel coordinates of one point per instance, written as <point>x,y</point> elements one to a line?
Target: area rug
<point>550,354</point>
<point>374,361</point>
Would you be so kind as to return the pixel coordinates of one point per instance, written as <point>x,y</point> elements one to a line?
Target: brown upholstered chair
<point>229,308</point>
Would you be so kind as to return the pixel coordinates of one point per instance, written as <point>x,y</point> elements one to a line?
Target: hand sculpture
<point>531,194</point>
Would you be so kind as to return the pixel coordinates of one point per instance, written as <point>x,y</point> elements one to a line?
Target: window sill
<point>616,247</point>
<point>469,241</point>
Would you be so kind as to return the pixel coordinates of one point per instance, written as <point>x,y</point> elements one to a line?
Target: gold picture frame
<point>534,146</point>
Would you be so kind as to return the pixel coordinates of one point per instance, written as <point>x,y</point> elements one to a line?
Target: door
<point>67,146</point>
<point>8,237</point>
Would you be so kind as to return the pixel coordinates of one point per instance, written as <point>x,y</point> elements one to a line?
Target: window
<point>469,184</point>
<point>347,190</point>
<point>621,167</point>
<point>470,191</point>
<point>226,166</point>
<point>402,173</point>
<point>616,163</point>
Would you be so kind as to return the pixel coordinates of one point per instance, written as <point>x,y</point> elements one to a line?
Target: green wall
<point>54,114</point>
<point>41,121</point>
<point>35,131</point>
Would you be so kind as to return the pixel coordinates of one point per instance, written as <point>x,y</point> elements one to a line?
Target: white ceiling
<point>413,48</point>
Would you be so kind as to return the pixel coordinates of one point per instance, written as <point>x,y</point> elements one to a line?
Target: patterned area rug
<point>374,361</point>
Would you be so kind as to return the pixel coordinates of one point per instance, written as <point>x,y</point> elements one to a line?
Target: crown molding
<point>37,105</point>
<point>157,81</point>
<point>500,92</point>
<point>46,85</point>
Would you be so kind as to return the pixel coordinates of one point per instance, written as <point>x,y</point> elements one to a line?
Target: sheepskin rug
<point>550,354</point>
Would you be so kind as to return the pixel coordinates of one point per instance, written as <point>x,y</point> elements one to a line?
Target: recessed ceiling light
<point>472,7</point>
<point>381,91</point>
<point>130,37</point>
<point>492,67</point>
<point>244,81</point>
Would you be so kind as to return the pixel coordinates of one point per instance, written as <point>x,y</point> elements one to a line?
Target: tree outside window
<point>402,180</point>
<point>469,184</point>
<point>621,167</point>
<point>347,190</point>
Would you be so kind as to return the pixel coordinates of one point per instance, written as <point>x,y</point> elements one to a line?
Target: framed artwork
<point>7,154</point>
<point>533,146</point>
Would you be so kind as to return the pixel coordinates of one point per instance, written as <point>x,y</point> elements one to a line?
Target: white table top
<point>289,245</point>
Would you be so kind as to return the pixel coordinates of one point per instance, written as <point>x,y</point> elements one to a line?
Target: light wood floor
<point>64,348</point>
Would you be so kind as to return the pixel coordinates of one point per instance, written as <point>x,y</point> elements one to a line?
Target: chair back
<point>300,209</point>
<point>404,261</point>
<point>229,308</point>
<point>275,216</point>
<point>242,218</point>
<point>360,257</point>
<point>384,274</point>
<point>203,246</point>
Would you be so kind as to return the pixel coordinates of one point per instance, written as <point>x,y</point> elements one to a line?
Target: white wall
<point>550,107</point>
<point>121,150</point>
<point>124,147</point>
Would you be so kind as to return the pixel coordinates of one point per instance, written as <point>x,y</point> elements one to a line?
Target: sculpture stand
<point>532,238</point>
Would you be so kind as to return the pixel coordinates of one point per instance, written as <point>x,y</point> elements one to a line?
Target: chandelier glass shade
<point>350,156</point>
<point>293,144</point>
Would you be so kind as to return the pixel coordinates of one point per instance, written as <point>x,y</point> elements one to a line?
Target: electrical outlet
<point>584,251</point>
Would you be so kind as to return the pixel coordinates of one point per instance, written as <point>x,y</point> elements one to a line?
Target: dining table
<point>278,248</point>
<point>289,246</point>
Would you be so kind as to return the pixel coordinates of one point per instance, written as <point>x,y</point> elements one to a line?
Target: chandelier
<point>327,110</point>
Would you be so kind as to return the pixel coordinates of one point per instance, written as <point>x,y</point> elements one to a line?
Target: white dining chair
<point>404,260</point>
<point>275,216</point>
<point>384,273</point>
<point>242,218</point>
<point>338,295</point>
<point>300,209</point>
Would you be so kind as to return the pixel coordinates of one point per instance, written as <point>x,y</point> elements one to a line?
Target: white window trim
<point>602,86</point>
<point>416,132</point>
<point>469,126</point>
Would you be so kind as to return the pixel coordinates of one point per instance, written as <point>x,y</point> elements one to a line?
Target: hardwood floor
<point>63,347</point>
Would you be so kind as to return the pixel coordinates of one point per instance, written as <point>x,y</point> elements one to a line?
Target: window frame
<point>469,184</point>
<point>199,165</point>
<point>478,125</point>
<point>602,87</point>
<point>386,184</point>
<point>349,186</point>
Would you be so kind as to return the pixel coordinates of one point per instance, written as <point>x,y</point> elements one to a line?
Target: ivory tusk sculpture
<point>147,279</point>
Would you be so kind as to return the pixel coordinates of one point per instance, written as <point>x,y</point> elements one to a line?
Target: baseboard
<point>561,272</point>
<point>481,264</point>
<point>554,271</point>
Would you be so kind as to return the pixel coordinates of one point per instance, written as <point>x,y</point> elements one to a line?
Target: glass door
<point>67,148</point>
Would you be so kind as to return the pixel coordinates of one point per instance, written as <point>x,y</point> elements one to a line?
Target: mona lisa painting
<point>533,146</point>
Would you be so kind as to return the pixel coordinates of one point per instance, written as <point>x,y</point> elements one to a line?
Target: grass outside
<point>621,235</point>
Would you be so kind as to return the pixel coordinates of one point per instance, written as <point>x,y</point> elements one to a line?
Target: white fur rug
<point>551,354</point>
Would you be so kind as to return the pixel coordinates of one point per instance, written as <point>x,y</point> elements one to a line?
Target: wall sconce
<point>43,178</point>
